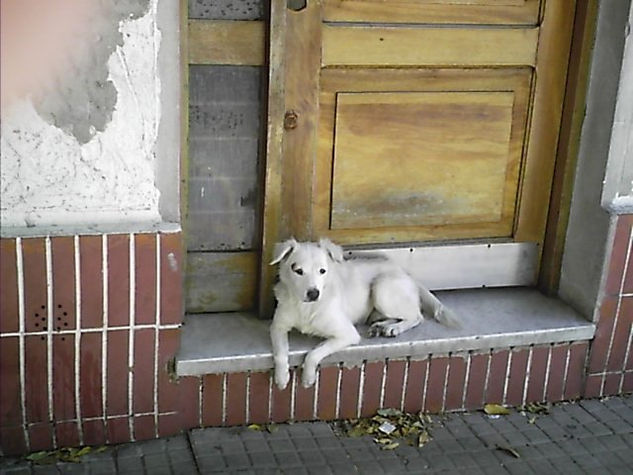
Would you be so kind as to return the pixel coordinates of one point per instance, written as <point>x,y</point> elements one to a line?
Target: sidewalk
<point>590,436</point>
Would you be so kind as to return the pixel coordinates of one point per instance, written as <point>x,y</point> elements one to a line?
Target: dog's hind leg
<point>346,338</point>
<point>396,297</point>
<point>392,327</point>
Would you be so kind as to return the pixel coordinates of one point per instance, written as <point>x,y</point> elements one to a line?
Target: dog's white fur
<point>320,293</point>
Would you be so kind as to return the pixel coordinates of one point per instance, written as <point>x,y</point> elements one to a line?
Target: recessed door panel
<point>418,154</point>
<point>420,158</point>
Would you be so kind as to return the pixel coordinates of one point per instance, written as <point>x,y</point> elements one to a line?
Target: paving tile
<point>360,453</point>
<point>328,442</point>
<point>515,438</point>
<point>625,455</point>
<point>541,466</point>
<point>550,450</point>
<point>75,468</point>
<point>267,471</point>
<point>211,463</point>
<point>619,426</point>
<point>497,469</point>
<point>564,465</point>
<point>517,468</point>
<point>262,459</point>
<point>345,468</point>
<point>16,469</point>
<point>320,429</point>
<point>463,461</point>
<point>236,461</point>
<point>258,445</point>
<point>449,446</point>
<point>287,459</point>
<point>586,461</point>
<point>129,463</point>
<point>311,458</point>
<point>534,435</point>
<point>470,444</point>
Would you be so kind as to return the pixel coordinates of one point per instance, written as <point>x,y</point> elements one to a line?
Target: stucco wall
<point>85,151</point>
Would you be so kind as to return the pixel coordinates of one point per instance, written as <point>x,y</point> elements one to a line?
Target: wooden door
<point>413,123</point>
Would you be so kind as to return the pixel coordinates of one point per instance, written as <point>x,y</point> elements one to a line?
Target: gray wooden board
<point>227,9</point>
<point>228,230</point>
<point>220,281</point>
<point>224,134</point>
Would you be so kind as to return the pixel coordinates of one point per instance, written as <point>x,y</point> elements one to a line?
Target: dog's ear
<point>283,250</point>
<point>335,252</point>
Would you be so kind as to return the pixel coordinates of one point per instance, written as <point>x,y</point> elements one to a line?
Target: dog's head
<point>304,266</point>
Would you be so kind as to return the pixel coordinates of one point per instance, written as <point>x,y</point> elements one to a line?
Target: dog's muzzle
<point>312,295</point>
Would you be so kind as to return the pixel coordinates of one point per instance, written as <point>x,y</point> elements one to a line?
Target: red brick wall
<point>78,312</point>
<point>87,326</point>
<point>610,369</point>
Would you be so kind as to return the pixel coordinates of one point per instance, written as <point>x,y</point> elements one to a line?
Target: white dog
<point>320,293</point>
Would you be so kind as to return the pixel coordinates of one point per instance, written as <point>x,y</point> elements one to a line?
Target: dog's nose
<point>312,294</point>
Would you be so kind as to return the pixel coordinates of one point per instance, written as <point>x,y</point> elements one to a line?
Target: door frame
<point>283,216</point>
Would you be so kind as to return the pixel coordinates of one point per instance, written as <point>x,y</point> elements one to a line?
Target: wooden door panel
<point>419,154</point>
<point>407,158</point>
<point>487,12</point>
<point>411,46</point>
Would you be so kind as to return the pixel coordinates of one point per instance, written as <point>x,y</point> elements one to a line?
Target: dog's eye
<point>322,271</point>
<point>299,271</point>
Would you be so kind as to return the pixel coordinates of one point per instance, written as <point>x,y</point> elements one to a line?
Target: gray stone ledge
<point>493,318</point>
<point>136,227</point>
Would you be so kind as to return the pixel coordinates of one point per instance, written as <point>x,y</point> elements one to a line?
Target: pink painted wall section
<point>610,369</point>
<point>87,327</point>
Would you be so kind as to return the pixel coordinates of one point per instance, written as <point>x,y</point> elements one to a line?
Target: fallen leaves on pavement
<point>390,427</point>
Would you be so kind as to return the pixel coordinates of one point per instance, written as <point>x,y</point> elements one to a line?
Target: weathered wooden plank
<point>274,152</point>
<point>226,9</point>
<point>488,12</point>
<point>406,46</point>
<point>549,94</point>
<point>220,281</point>
<point>222,231</point>
<point>302,69</point>
<point>216,83</point>
<point>569,142</point>
<point>226,42</point>
<point>223,184</point>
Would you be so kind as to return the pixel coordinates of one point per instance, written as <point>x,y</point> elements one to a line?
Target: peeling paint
<point>86,153</point>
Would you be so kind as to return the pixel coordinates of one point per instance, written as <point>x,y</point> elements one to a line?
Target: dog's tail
<point>436,309</point>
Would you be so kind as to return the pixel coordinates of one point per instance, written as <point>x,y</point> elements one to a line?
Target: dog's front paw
<point>282,376</point>
<point>308,378</point>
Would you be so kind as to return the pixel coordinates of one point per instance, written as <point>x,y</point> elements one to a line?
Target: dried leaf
<point>272,428</point>
<point>256,427</point>
<point>390,446</point>
<point>84,451</point>
<point>37,456</point>
<point>536,408</point>
<point>509,451</point>
<point>496,410</point>
<point>389,412</point>
<point>423,438</point>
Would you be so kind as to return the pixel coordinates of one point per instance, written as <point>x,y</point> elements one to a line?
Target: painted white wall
<point>617,194</point>
<point>48,178</point>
